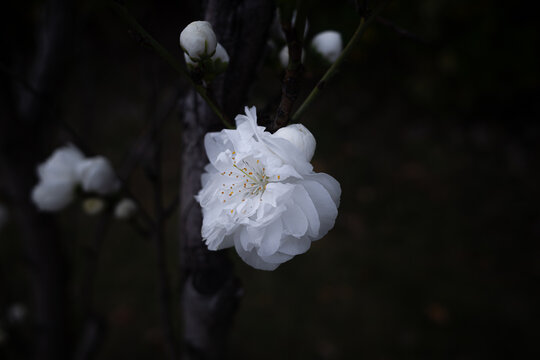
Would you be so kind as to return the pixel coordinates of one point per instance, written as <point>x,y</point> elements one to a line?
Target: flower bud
<point>52,195</point>
<point>189,62</point>
<point>328,44</point>
<point>300,137</point>
<point>125,209</point>
<point>93,206</point>
<point>97,175</point>
<point>284,56</point>
<point>198,39</point>
<point>220,54</point>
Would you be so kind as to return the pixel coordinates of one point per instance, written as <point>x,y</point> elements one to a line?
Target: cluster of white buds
<point>66,169</point>
<point>202,51</point>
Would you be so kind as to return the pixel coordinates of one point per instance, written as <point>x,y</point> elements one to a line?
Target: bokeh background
<point>434,139</point>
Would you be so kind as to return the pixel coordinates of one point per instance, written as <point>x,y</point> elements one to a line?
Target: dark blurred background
<point>433,137</point>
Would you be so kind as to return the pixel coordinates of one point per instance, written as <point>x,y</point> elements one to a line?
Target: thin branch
<point>159,239</point>
<point>290,86</point>
<point>364,23</point>
<point>171,60</point>
<point>400,31</point>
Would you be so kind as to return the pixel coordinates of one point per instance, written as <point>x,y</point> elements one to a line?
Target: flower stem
<point>171,60</point>
<point>364,22</point>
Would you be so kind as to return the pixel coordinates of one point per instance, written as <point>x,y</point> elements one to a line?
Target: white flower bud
<point>300,137</point>
<point>97,175</point>
<point>190,63</point>
<point>125,209</point>
<point>52,195</point>
<point>198,39</point>
<point>58,179</point>
<point>284,56</point>
<point>328,44</point>
<point>60,166</point>
<point>93,206</point>
<point>220,54</point>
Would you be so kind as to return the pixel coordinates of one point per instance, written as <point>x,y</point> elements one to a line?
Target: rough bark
<point>210,290</point>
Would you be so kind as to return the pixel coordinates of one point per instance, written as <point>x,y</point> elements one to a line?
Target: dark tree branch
<point>210,289</point>
<point>291,81</point>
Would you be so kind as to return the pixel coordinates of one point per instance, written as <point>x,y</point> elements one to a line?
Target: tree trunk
<point>210,290</point>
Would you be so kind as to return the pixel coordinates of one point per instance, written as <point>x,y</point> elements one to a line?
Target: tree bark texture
<point>210,289</point>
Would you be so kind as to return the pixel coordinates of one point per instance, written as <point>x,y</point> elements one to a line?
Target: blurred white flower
<point>284,56</point>
<point>16,313</point>
<point>198,39</point>
<point>328,44</point>
<point>261,195</point>
<point>3,216</point>
<point>57,179</point>
<point>125,209</point>
<point>97,175</point>
<point>93,206</point>
<point>300,137</point>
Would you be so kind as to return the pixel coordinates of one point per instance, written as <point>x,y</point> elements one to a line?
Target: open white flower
<point>198,39</point>
<point>261,195</point>
<point>328,44</point>
<point>57,179</point>
<point>97,175</point>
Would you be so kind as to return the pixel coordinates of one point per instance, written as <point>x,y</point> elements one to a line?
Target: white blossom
<point>328,44</point>
<point>198,39</point>
<point>261,195</point>
<point>300,137</point>
<point>125,209</point>
<point>57,179</point>
<point>97,175</point>
<point>284,56</point>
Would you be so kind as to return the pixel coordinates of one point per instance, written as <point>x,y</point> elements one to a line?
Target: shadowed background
<point>434,141</point>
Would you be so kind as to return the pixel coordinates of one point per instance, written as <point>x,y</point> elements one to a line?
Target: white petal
<point>272,239</point>
<point>295,246</point>
<point>251,258</point>
<point>324,204</point>
<point>294,221</point>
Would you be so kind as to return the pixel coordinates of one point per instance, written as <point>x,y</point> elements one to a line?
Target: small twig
<point>290,86</point>
<point>159,240</point>
<point>399,30</point>
<point>364,22</point>
<point>171,60</point>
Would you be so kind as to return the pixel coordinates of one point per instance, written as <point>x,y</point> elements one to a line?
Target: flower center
<point>244,185</point>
